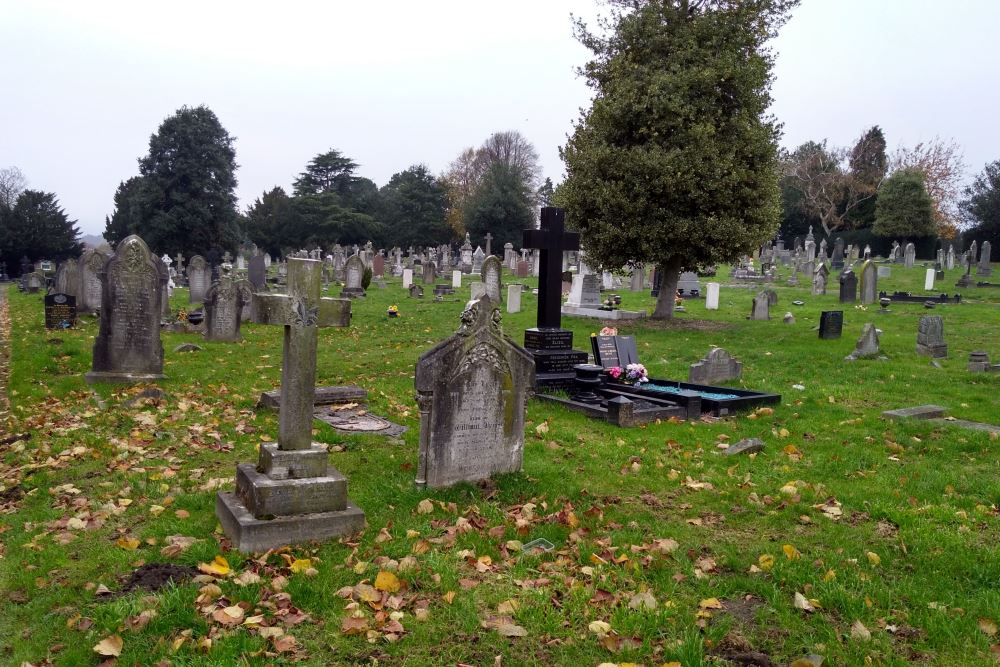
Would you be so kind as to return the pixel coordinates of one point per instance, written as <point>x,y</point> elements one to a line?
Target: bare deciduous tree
<point>12,184</point>
<point>943,166</point>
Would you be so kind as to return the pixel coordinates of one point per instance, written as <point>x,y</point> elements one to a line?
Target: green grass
<point>922,497</point>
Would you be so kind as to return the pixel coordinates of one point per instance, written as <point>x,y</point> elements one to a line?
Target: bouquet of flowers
<point>634,374</point>
<point>393,311</point>
<point>609,331</point>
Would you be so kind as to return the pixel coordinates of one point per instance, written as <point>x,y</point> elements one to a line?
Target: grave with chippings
<point>292,495</point>
<point>343,407</point>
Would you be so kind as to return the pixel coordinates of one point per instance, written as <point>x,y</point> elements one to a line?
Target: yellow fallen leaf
<point>387,581</point>
<point>988,626</point>
<point>218,567</point>
<point>791,553</point>
<point>801,602</point>
<point>425,506</point>
<point>874,558</point>
<point>300,565</point>
<point>511,630</point>
<point>830,575</point>
<point>542,428</point>
<point>710,603</point>
<point>860,632</point>
<point>449,597</point>
<point>599,628</point>
<point>110,646</point>
<point>129,543</point>
<point>765,561</point>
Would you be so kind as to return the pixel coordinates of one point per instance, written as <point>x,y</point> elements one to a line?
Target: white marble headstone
<point>712,296</point>
<point>513,298</point>
<point>407,278</point>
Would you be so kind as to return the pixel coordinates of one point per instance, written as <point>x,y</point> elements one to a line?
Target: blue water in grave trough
<point>666,389</point>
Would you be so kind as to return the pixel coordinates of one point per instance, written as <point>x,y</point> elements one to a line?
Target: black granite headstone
<point>257,272</point>
<point>848,287</point>
<point>60,311</point>
<point>831,324</point>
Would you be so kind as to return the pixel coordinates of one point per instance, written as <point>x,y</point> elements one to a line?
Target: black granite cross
<point>552,240</point>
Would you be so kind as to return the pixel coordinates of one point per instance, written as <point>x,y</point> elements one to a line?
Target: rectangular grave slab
<point>917,412</point>
<point>331,395</point>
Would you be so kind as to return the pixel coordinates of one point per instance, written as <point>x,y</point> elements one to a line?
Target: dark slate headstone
<point>257,272</point>
<point>472,391</point>
<point>128,347</point>
<point>831,324</point>
<point>605,351</point>
<point>848,286</point>
<point>378,266</point>
<point>60,311</point>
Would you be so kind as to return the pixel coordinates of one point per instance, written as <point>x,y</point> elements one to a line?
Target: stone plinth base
<point>293,464</point>
<point>122,378</point>
<point>597,313</point>
<point>264,496</point>
<point>249,534</point>
<point>934,351</point>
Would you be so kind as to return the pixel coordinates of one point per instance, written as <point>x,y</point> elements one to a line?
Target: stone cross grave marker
<point>472,391</point>
<point>489,244</point>
<point>292,495</point>
<point>128,346</point>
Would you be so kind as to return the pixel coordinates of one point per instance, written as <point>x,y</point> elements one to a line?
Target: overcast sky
<point>391,84</point>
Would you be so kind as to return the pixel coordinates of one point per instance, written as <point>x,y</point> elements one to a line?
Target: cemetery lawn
<point>851,537</point>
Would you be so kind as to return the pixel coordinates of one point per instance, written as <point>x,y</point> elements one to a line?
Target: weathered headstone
<point>837,259</point>
<point>199,275</point>
<point>717,366</point>
<point>585,291</point>
<point>761,307</point>
<point>492,273</point>
<point>292,495</point>
<point>223,310</point>
<point>378,265</point>
<point>867,346</point>
<point>819,278</point>
<point>257,272</point>
<point>429,273</point>
<point>407,278</point>
<point>848,286</point>
<point>353,273</point>
<point>984,269</point>
<point>472,391</point>
<point>91,266</point>
<point>930,337</point>
<point>909,255</point>
<point>869,283</point>
<point>831,324</point>
<point>67,280</point>
<point>128,346</point>
<point>929,279</point>
<point>477,260</point>
<point>514,298</point>
<point>60,311</point>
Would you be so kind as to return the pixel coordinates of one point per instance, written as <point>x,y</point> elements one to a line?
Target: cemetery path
<point>4,356</point>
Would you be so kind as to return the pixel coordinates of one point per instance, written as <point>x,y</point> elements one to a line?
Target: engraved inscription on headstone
<point>60,311</point>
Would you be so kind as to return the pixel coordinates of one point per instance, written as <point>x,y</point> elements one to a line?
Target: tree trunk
<point>670,271</point>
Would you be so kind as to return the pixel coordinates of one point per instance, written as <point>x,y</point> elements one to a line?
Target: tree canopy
<point>184,198</point>
<point>500,205</point>
<point>37,227</point>
<point>904,209</point>
<point>676,161</point>
<point>414,208</point>
<point>981,205</point>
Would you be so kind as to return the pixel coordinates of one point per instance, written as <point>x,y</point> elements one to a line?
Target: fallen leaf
<point>874,558</point>
<point>988,626</point>
<point>387,581</point>
<point>643,600</point>
<point>300,565</point>
<point>129,543</point>
<point>801,602</point>
<point>218,567</point>
<point>511,630</point>
<point>599,628</point>
<point>109,646</point>
<point>860,632</point>
<point>791,553</point>
<point>425,506</point>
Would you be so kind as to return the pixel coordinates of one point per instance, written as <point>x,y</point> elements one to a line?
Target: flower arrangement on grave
<point>608,331</point>
<point>182,315</point>
<point>393,311</point>
<point>634,374</point>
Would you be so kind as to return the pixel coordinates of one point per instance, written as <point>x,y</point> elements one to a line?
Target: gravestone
<point>514,298</point>
<point>407,278</point>
<point>551,345</point>
<point>585,291</point>
<point>429,273</point>
<point>984,269</point>
<point>867,346</point>
<point>717,366</point>
<point>416,291</point>
<point>477,290</point>
<point>34,281</point>
<point>523,269</point>
<point>223,310</point>
<point>869,283</point>
<point>378,265</point>
<point>472,391</point>
<point>246,290</point>
<point>837,259</point>
<point>637,281</point>
<point>929,276</point>
<point>354,270</point>
<point>465,255</point>
<point>489,244</point>
<point>819,279</point>
<point>199,275</point>
<point>491,274</point>
<point>949,258</point>
<point>257,272</point>
<point>930,337</point>
<point>712,296</point>
<point>688,285</point>
<point>848,286</point>
<point>761,307</point>
<point>91,266</point>
<point>614,351</point>
<point>67,280</point>
<point>60,311</point>
<point>508,255</point>
<point>772,297</point>
<point>477,260</point>
<point>292,495</point>
<point>831,324</point>
<point>456,279</point>
<point>909,255</point>
<point>128,347</point>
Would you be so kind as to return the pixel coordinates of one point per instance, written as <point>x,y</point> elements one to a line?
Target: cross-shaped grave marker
<point>292,495</point>
<point>489,240</point>
<point>552,240</point>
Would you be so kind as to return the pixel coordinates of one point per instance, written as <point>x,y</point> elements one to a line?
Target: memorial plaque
<point>605,351</point>
<point>60,311</point>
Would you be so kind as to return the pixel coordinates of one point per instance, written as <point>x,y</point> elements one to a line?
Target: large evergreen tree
<point>675,163</point>
<point>904,209</point>
<point>414,209</point>
<point>185,198</point>
<point>981,205</point>
<point>500,205</point>
<point>270,221</point>
<point>36,227</point>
